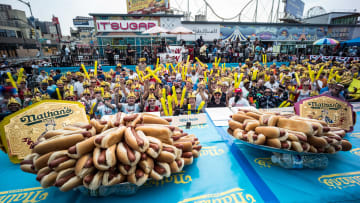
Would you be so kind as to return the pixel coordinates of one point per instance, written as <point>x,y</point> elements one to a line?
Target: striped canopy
<point>326,41</point>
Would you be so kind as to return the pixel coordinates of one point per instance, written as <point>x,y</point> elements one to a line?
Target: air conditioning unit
<point>200,17</point>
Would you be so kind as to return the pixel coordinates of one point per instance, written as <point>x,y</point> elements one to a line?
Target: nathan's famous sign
<point>20,130</point>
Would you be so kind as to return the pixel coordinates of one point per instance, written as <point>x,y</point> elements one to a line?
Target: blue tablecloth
<point>222,173</point>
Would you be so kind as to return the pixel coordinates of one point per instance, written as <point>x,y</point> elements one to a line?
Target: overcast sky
<point>66,10</point>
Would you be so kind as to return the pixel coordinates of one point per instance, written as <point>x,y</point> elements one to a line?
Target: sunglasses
<point>107,99</point>
<point>267,92</point>
<point>178,92</point>
<point>86,94</point>
<point>151,100</point>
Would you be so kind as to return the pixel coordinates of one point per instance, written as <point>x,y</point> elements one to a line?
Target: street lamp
<point>33,24</point>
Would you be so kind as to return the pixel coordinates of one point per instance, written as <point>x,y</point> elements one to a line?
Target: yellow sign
<point>335,112</point>
<point>341,180</point>
<point>211,151</point>
<point>146,6</point>
<point>36,194</point>
<point>20,130</point>
<point>233,195</point>
<point>356,151</point>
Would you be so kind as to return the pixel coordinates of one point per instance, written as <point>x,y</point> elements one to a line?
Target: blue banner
<point>295,8</point>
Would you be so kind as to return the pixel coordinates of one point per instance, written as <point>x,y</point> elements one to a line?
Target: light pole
<point>33,24</point>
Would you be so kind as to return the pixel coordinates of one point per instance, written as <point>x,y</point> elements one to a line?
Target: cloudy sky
<point>66,10</point>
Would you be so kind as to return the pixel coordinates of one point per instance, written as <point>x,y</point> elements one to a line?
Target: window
<point>2,33</point>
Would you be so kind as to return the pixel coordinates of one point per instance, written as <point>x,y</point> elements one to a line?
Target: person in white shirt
<point>272,84</point>
<point>238,100</point>
<point>78,86</point>
<point>201,95</point>
<point>132,75</point>
<point>42,76</point>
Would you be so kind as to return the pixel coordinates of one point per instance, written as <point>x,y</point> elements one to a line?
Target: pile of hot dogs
<point>123,148</point>
<point>290,132</point>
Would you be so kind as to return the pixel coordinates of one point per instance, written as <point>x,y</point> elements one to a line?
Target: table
<point>222,173</point>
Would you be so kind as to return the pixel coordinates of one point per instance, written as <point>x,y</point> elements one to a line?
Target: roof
<point>350,13</point>
<point>136,15</point>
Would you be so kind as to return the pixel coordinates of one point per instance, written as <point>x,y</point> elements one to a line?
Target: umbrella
<point>181,30</point>
<point>326,41</point>
<point>155,30</point>
<point>353,42</point>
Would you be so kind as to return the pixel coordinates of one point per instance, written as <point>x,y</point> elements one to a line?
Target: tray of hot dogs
<point>286,133</point>
<point>111,157</point>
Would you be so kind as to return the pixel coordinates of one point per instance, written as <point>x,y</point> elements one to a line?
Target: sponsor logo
<point>234,195</point>
<point>341,180</point>
<point>355,151</point>
<point>39,118</point>
<point>355,135</point>
<point>177,178</point>
<point>211,151</point>
<point>330,106</point>
<point>264,162</point>
<point>26,195</point>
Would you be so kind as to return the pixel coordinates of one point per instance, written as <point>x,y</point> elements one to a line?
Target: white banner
<point>330,58</point>
<point>125,25</point>
<point>209,32</point>
<point>167,58</point>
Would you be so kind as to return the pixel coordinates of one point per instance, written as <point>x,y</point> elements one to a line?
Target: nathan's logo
<point>24,195</point>
<point>233,195</point>
<point>39,118</point>
<point>316,105</point>
<point>341,180</point>
<point>211,151</point>
<point>355,151</point>
<point>177,178</point>
<point>355,135</point>
<point>264,162</point>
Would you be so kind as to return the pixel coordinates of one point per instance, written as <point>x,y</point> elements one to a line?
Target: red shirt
<point>147,109</point>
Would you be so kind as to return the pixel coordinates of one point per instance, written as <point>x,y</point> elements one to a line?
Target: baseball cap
<point>238,90</point>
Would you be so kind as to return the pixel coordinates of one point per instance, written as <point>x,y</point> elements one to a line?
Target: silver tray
<point>238,142</point>
<point>122,189</point>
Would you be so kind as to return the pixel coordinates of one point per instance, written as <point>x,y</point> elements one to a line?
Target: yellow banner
<point>20,130</point>
<point>146,6</point>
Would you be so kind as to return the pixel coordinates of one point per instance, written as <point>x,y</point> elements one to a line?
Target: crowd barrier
<point>132,67</point>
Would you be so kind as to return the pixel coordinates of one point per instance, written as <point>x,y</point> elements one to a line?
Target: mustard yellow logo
<point>26,195</point>
<point>177,178</point>
<point>236,195</point>
<point>341,180</point>
<point>355,135</point>
<point>264,162</point>
<point>211,151</point>
<point>355,151</point>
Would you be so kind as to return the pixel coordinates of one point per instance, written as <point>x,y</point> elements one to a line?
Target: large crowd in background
<point>178,88</point>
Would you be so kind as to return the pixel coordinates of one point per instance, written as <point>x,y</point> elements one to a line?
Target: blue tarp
<point>353,42</point>
<point>224,172</point>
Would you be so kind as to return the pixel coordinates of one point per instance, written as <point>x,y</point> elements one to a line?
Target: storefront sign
<point>209,32</point>
<point>125,25</point>
<point>330,58</point>
<point>146,6</point>
<point>335,112</point>
<point>20,130</point>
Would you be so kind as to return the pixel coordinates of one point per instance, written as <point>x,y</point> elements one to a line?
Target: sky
<point>66,10</point>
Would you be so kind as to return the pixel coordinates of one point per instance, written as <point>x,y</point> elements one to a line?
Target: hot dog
<point>297,136</point>
<point>188,158</point>
<point>272,132</point>
<point>255,115</point>
<point>160,132</point>
<point>235,125</point>
<point>268,120</point>
<point>42,161</point>
<point>146,163</point>
<point>27,165</point>
<point>112,177</point>
<point>98,125</point>
<point>67,180</point>
<point>82,148</point>
<point>60,160</point>
<point>109,137</point>
<point>47,177</point>
<point>104,158</point>
<point>85,165</point>
<point>126,169</point>
<point>177,165</point>
<point>160,171</point>
<point>317,142</point>
<point>346,145</point>
<point>241,117</point>
<point>254,138</point>
<point>250,124</point>
<point>296,125</point>
<point>155,147</point>
<point>126,155</point>
<point>132,119</point>
<point>136,139</point>
<point>146,119</point>
<point>93,181</point>
<point>168,154</point>
<point>60,142</point>
<point>138,178</point>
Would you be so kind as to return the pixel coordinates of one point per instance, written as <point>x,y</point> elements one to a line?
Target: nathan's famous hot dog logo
<point>28,195</point>
<point>341,180</point>
<point>330,106</point>
<point>264,162</point>
<point>234,195</point>
<point>355,151</point>
<point>39,118</point>
<point>211,151</point>
<point>177,178</point>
